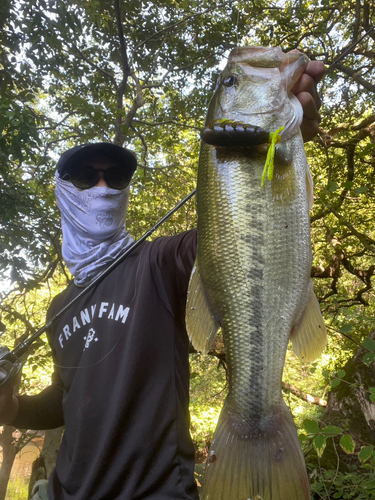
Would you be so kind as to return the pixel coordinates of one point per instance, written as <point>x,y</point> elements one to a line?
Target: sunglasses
<point>87,177</point>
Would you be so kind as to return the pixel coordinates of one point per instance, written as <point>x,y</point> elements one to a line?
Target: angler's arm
<point>39,412</point>
<point>9,405</point>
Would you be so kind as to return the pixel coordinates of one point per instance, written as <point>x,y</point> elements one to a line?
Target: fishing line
<point>237,24</point>
<point>347,336</point>
<point>347,51</point>
<point>89,366</point>
<point>238,21</point>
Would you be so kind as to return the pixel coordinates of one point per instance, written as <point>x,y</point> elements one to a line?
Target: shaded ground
<point>21,471</point>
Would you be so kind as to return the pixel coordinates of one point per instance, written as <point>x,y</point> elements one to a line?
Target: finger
<point>309,129</point>
<point>316,70</point>
<point>306,84</point>
<point>310,109</point>
<point>311,116</point>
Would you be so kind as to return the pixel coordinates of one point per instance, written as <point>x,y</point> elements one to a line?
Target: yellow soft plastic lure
<point>275,137</point>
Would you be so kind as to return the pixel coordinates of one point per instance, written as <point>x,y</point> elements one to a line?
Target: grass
<point>18,489</point>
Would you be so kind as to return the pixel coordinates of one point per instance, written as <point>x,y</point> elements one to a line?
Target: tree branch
<point>303,395</point>
<point>94,65</point>
<point>167,122</point>
<point>177,23</point>
<point>352,73</point>
<point>138,102</point>
<point>124,56</point>
<point>80,52</point>
<point>366,241</point>
<point>356,21</point>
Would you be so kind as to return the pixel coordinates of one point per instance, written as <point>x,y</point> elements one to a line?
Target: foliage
<point>319,437</point>
<point>18,489</point>
<point>333,484</point>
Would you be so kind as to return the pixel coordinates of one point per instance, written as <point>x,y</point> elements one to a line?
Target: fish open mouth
<point>228,133</point>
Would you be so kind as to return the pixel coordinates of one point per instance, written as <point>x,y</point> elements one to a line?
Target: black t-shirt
<point>121,382</point>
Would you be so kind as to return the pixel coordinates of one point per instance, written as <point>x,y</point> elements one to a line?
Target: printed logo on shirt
<point>104,310</point>
<point>89,338</point>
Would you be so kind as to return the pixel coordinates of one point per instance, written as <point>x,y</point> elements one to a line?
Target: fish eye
<point>229,81</point>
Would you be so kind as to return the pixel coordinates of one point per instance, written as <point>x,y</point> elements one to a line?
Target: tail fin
<point>255,461</point>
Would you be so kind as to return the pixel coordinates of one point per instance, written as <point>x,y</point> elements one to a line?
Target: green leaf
<point>365,453</point>
<point>368,358</point>
<point>341,373</point>
<point>362,189</point>
<point>353,478</point>
<point>366,150</point>
<point>331,429</point>
<point>347,185</point>
<point>347,443</point>
<point>369,344</point>
<point>338,494</point>
<point>311,426</point>
<point>372,390</point>
<point>346,328</point>
<point>326,373</point>
<point>372,398</point>
<point>335,382</point>
<point>302,438</point>
<point>332,186</point>
<point>369,485</point>
<point>319,443</point>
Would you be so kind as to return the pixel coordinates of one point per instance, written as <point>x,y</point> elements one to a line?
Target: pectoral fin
<point>309,336</point>
<point>200,322</point>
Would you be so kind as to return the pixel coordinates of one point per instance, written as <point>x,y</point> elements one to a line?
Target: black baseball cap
<point>74,156</point>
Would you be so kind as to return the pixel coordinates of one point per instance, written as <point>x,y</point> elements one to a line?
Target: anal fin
<point>200,322</point>
<point>309,336</point>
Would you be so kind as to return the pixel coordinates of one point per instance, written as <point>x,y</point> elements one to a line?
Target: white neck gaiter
<point>93,227</point>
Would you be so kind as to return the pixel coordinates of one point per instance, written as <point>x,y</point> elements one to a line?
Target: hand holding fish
<point>306,92</point>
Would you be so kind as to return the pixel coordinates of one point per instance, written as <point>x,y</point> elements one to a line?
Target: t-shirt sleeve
<point>174,260</point>
<point>42,411</point>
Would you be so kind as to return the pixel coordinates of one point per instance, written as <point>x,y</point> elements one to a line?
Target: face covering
<point>93,227</point>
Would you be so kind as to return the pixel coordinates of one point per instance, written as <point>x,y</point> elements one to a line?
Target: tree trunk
<point>349,407</point>
<point>9,454</point>
<point>51,445</point>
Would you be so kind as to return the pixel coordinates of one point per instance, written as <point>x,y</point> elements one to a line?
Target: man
<point>121,378</point>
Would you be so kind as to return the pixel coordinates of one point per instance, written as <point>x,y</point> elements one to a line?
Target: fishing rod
<point>9,360</point>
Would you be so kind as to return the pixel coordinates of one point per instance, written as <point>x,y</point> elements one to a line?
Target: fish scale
<point>256,271</point>
<point>252,274</point>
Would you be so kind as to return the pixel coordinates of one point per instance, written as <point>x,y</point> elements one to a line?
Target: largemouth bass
<point>252,274</point>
